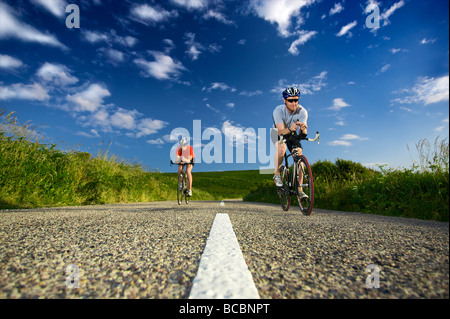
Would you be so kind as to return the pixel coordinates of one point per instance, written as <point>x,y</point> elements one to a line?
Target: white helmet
<point>183,141</point>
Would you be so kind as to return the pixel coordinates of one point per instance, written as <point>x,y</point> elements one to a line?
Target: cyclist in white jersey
<point>287,118</point>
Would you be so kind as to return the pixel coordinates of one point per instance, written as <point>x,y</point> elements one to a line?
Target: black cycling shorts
<point>292,141</point>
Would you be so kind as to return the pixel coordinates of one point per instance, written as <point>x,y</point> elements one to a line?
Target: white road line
<point>222,272</point>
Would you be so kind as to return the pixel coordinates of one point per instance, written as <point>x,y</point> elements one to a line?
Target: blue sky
<point>135,70</point>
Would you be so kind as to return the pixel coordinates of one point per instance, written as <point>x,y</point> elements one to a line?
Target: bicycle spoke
<point>306,195</point>
<point>284,191</point>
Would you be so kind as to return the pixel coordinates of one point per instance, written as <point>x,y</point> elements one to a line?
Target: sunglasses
<point>293,101</point>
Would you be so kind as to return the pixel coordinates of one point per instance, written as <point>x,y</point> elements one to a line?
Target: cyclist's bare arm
<point>283,130</point>
<point>183,160</point>
<point>303,127</point>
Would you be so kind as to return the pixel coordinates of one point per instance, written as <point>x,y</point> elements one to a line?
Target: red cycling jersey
<point>187,153</point>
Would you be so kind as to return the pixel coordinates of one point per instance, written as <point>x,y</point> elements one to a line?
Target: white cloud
<point>194,48</point>
<point>124,119</point>
<point>56,74</point>
<point>427,91</point>
<point>94,36</point>
<point>90,99</point>
<point>238,135</point>
<point>163,68</point>
<point>10,27</point>
<point>114,55</point>
<point>427,41</point>
<point>8,62</point>
<point>24,92</point>
<point>346,29</point>
<point>395,51</point>
<point>191,4</point>
<point>353,137</point>
<point>109,119</point>
<point>56,7</point>
<point>251,93</point>
<point>344,140</point>
<point>338,104</point>
<point>170,45</point>
<point>340,143</point>
<point>304,36</point>
<point>311,86</point>
<point>385,68</point>
<point>147,14</point>
<point>385,16</point>
<point>158,141</point>
<point>441,128</point>
<point>336,9</point>
<point>279,12</point>
<point>212,108</point>
<point>127,41</point>
<point>214,48</point>
<point>211,14</point>
<point>149,126</point>
<point>112,37</point>
<point>220,86</point>
<point>93,133</point>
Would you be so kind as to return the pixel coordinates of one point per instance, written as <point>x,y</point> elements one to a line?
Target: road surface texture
<point>153,250</point>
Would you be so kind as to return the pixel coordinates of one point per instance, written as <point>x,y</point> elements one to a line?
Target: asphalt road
<point>152,250</point>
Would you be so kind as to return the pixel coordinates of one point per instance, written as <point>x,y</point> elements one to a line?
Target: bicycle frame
<point>296,185</point>
<point>182,179</point>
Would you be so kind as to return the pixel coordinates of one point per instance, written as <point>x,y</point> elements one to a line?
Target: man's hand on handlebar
<point>303,126</point>
<point>297,125</point>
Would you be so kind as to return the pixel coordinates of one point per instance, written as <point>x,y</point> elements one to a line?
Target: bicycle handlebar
<point>316,138</point>
<point>182,163</point>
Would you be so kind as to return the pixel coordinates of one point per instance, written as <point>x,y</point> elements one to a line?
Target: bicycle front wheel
<point>284,191</point>
<point>305,186</point>
<point>180,189</point>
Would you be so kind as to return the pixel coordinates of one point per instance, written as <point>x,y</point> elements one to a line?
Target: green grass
<point>34,173</point>
<point>349,186</point>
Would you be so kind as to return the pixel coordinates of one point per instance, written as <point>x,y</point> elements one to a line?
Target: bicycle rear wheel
<point>307,186</point>
<point>284,192</point>
<point>180,188</point>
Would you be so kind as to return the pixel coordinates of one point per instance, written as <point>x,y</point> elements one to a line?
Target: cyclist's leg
<point>279,155</point>
<point>189,176</point>
<point>180,168</point>
<point>299,170</point>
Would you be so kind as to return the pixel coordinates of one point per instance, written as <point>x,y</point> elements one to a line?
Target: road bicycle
<point>182,189</point>
<point>301,183</point>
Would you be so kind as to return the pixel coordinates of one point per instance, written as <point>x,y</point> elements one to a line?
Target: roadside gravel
<point>153,250</point>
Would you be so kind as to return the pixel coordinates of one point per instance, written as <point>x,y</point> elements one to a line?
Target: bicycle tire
<point>284,192</point>
<point>305,204</point>
<point>186,196</point>
<point>180,192</point>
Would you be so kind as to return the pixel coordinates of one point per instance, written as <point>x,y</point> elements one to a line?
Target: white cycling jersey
<point>282,115</point>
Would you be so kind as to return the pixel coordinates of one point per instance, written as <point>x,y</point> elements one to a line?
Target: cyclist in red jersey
<point>185,154</point>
